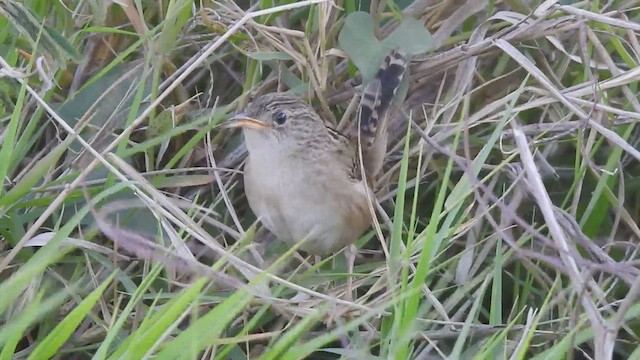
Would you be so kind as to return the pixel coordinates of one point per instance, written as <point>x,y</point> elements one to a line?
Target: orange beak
<point>243,121</point>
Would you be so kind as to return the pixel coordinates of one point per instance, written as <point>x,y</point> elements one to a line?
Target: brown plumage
<point>302,178</point>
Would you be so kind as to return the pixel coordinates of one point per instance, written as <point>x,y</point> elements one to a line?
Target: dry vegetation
<point>509,208</point>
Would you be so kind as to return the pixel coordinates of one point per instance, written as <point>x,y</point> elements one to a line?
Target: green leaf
<point>471,319</point>
<point>48,347</point>
<point>139,344</point>
<point>411,37</point>
<point>12,287</point>
<point>160,124</point>
<point>34,175</point>
<point>112,91</point>
<point>293,335</point>
<point>268,55</point>
<point>178,14</point>
<point>205,330</point>
<point>358,40</point>
<point>361,45</point>
<point>9,138</point>
<point>137,295</point>
<point>32,28</point>
<point>32,313</point>
<point>13,331</point>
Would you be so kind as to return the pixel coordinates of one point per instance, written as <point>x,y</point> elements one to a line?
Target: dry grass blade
<point>507,203</point>
<point>538,75</point>
<point>604,343</point>
<point>147,249</point>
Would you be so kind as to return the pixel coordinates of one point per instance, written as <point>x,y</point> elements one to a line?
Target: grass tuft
<point>509,200</point>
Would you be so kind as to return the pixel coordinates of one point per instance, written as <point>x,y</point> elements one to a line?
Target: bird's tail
<point>376,100</point>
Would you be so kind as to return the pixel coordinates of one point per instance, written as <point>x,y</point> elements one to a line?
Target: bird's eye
<point>280,118</point>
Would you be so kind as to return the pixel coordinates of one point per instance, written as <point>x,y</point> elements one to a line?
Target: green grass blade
<point>153,328</point>
<point>48,347</point>
<point>31,315</point>
<point>8,142</point>
<point>205,330</point>
<point>34,175</point>
<point>123,316</point>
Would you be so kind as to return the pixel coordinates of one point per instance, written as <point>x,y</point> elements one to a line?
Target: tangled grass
<point>509,205</point>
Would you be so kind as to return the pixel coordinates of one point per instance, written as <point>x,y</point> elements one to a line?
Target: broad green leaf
<point>106,103</point>
<point>268,55</point>
<point>367,52</point>
<point>410,37</point>
<point>361,45</point>
<point>114,92</point>
<point>292,81</point>
<point>160,124</point>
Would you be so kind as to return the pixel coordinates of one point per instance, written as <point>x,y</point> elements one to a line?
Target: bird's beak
<point>243,121</point>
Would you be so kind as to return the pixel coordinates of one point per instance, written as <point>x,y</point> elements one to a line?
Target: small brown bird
<point>303,178</point>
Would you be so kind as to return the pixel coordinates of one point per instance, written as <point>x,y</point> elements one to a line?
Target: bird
<point>303,179</point>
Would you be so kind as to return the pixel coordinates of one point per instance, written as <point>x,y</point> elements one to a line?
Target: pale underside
<point>328,210</point>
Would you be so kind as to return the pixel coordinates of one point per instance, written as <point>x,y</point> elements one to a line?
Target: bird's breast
<point>296,200</point>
